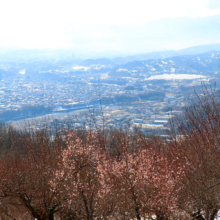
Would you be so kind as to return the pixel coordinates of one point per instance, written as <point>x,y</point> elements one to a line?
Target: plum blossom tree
<point>199,128</point>
<point>143,181</point>
<point>138,181</point>
<point>79,178</point>
<point>25,174</point>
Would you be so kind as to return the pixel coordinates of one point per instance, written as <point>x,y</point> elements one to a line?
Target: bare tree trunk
<point>137,208</point>
<point>160,216</point>
<point>213,215</point>
<point>197,216</point>
<point>51,216</point>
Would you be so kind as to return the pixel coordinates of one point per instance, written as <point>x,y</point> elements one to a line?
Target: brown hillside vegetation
<point>119,174</point>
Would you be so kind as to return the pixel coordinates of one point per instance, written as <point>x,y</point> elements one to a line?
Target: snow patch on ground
<point>22,72</point>
<point>177,76</point>
<point>84,68</point>
<point>121,70</point>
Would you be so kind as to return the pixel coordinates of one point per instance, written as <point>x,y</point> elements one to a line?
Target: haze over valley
<point>137,62</point>
<point>141,89</point>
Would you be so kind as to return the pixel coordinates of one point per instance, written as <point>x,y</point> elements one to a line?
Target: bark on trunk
<point>161,216</point>
<point>213,215</point>
<point>197,216</point>
<point>88,214</point>
<point>51,216</point>
<point>136,205</point>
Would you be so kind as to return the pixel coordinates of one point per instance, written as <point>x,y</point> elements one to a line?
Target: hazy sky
<point>93,25</point>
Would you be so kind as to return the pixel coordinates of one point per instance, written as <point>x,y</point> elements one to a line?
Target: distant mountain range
<point>170,53</point>
<point>47,64</point>
<point>204,62</point>
<point>196,50</point>
<point>101,61</point>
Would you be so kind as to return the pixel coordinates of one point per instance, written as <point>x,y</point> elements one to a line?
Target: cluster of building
<point>74,90</point>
